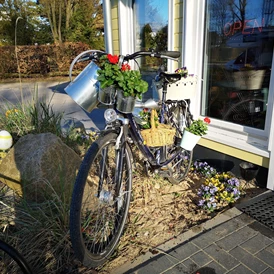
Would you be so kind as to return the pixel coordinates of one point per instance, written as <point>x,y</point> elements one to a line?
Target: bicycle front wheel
<point>100,203</point>
<point>11,261</point>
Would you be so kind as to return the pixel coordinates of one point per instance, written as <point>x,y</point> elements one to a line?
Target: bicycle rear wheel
<point>248,112</point>
<point>100,203</point>
<point>11,261</point>
<point>181,164</point>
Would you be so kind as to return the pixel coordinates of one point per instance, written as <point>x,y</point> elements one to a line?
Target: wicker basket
<point>160,136</point>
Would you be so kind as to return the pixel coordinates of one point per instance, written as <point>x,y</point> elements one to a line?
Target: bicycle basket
<point>158,136</point>
<point>183,89</point>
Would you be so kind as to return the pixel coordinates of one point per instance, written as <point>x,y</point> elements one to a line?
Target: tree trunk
<point>60,23</point>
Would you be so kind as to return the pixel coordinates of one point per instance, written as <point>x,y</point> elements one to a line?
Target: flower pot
<point>107,95</point>
<point>189,140</point>
<point>248,170</point>
<point>124,104</point>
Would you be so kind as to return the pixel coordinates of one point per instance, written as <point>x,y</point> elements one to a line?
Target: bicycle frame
<point>137,138</point>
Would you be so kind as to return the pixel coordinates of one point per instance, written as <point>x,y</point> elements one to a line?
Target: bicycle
<point>102,190</point>
<point>11,261</point>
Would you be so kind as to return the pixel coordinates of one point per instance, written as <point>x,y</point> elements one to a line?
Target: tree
<point>86,24</point>
<point>27,26</point>
<point>74,20</point>
<point>238,9</point>
<point>53,11</point>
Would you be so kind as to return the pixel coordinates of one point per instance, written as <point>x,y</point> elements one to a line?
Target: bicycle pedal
<point>165,172</point>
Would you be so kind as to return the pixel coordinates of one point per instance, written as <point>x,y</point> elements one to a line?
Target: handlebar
<point>93,55</point>
<point>174,55</point>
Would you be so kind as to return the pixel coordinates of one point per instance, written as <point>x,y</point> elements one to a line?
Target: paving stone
<point>270,248</point>
<point>266,231</point>
<point>240,269</point>
<point>183,251</point>
<point>221,231</point>
<point>244,219</point>
<point>191,265</point>
<point>212,235</point>
<point>221,256</point>
<point>268,271</point>
<point>248,260</point>
<point>267,257</point>
<point>257,243</point>
<point>201,258</point>
<point>217,267</point>
<point>157,265</point>
<point>236,238</point>
<point>177,269</point>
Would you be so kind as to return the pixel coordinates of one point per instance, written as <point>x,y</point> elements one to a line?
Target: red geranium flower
<point>113,59</point>
<point>207,120</point>
<point>125,67</point>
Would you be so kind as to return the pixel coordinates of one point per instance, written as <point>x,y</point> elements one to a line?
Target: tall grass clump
<point>33,116</point>
<point>39,230</point>
<point>37,116</point>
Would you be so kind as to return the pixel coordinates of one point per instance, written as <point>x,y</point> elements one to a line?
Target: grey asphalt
<point>53,92</point>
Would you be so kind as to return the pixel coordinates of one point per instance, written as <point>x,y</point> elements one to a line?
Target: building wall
<point>183,38</point>
<point>115,26</point>
<point>238,153</point>
<point>178,25</point>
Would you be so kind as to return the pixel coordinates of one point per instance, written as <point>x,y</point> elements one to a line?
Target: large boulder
<point>38,166</point>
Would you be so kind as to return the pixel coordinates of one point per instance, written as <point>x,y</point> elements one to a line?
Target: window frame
<point>250,139</point>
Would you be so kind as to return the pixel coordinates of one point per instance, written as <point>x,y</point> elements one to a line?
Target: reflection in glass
<point>237,60</point>
<point>151,29</point>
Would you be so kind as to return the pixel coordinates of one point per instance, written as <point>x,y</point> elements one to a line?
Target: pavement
<point>231,243</point>
<point>234,242</point>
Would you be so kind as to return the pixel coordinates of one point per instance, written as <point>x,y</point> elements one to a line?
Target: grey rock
<point>38,166</point>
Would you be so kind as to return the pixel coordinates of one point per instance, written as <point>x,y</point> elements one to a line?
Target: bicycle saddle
<point>170,77</point>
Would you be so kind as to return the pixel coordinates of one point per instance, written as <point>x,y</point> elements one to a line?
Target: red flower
<point>113,59</point>
<point>207,120</point>
<point>125,67</point>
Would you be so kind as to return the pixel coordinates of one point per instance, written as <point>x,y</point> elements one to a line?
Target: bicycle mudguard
<point>109,130</point>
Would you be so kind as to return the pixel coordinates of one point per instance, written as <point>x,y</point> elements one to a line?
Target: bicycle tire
<point>96,227</point>
<point>11,261</point>
<point>240,113</point>
<point>180,166</point>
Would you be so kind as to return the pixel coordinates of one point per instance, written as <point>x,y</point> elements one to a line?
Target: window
<point>151,25</point>
<point>237,60</point>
